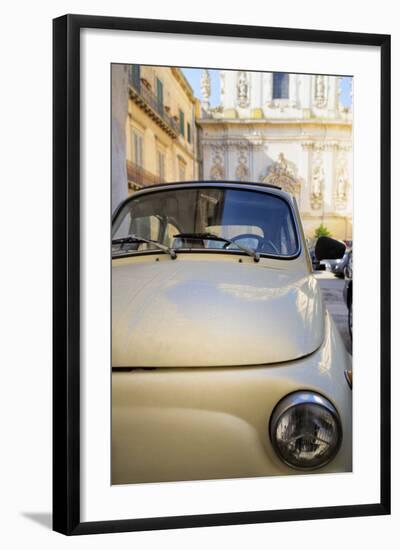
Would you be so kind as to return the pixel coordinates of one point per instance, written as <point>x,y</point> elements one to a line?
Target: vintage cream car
<point>225,361</point>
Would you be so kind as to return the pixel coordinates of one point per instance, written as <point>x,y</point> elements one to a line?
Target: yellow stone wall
<point>340,227</point>
<point>179,153</point>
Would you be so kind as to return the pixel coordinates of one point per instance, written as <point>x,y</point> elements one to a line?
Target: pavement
<point>332,290</point>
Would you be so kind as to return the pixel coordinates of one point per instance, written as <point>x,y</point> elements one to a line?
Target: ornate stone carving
<point>242,171</point>
<point>307,145</point>
<point>339,82</point>
<point>320,96</point>
<point>317,180</point>
<point>345,146</point>
<point>259,144</point>
<point>282,175</point>
<point>211,142</point>
<point>205,85</point>
<point>320,146</point>
<point>216,111</point>
<point>242,89</point>
<point>217,171</point>
<point>342,181</point>
<point>222,85</point>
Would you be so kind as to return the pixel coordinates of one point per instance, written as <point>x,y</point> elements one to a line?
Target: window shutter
<point>160,95</point>
<point>182,123</point>
<point>136,76</point>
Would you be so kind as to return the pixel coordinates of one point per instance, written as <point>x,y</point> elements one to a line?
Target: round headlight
<point>305,430</point>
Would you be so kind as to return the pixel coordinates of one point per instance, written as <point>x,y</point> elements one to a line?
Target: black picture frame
<point>66,273</point>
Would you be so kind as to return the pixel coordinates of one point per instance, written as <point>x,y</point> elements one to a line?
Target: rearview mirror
<point>329,249</point>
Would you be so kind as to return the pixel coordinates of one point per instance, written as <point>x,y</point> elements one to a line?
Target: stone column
<point>266,90</point>
<point>333,94</point>
<point>293,90</point>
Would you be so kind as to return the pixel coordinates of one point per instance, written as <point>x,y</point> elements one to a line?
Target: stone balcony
<point>141,93</point>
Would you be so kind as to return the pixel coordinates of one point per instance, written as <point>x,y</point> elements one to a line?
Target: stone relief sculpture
<point>317,180</point>
<point>242,171</point>
<point>217,171</point>
<point>342,181</point>
<point>242,89</point>
<point>339,81</point>
<point>282,175</point>
<point>205,86</point>
<point>222,85</point>
<point>320,91</point>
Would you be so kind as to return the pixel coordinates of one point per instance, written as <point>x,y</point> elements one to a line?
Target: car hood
<point>187,313</point>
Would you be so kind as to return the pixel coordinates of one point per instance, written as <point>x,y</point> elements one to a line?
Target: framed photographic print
<point>217,190</point>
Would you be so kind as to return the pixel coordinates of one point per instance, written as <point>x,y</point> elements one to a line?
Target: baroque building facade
<point>284,129</point>
<point>161,133</point>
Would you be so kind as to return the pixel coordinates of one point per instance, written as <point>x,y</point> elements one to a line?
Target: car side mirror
<point>329,249</point>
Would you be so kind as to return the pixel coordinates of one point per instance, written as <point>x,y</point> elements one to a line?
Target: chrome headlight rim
<point>292,400</point>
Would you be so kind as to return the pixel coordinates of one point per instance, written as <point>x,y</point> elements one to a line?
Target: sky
<point>193,77</point>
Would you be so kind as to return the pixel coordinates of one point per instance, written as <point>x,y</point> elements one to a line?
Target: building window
<point>136,76</point>
<point>160,95</point>
<point>182,174</point>
<point>182,123</point>
<point>137,148</point>
<point>280,88</point>
<point>161,165</point>
<point>189,133</point>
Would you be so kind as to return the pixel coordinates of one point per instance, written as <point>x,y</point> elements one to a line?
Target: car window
<point>259,220</point>
<point>145,226</point>
<point>170,230</point>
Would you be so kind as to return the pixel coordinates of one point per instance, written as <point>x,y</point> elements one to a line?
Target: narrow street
<point>332,289</point>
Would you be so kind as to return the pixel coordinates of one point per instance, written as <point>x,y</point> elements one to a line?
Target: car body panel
<point>210,423</point>
<point>204,348</point>
<point>199,311</point>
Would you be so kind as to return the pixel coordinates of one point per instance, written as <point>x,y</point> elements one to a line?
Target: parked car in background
<point>225,360</point>
<point>337,267</point>
<point>348,290</point>
<point>311,249</point>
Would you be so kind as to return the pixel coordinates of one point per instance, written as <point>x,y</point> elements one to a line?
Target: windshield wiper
<point>135,239</point>
<point>211,237</point>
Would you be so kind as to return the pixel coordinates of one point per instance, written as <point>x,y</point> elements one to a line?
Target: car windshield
<point>198,218</point>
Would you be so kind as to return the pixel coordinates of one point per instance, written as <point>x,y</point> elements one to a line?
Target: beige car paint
<point>203,349</point>
<point>209,423</point>
<point>199,311</point>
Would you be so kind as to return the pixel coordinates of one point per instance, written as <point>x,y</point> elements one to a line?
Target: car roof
<point>256,186</point>
<point>216,183</point>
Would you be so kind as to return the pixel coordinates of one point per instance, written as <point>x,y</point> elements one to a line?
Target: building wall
<point>302,142</point>
<point>179,153</point>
